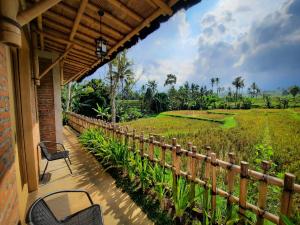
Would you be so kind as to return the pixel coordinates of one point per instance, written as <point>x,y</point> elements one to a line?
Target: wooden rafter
<point>75,76</point>
<point>40,27</point>
<point>54,63</point>
<point>85,30</point>
<point>110,17</point>
<point>161,4</point>
<point>58,27</point>
<point>135,31</point>
<point>91,21</point>
<point>150,2</point>
<point>80,12</point>
<point>126,10</point>
<point>76,45</point>
<point>35,10</point>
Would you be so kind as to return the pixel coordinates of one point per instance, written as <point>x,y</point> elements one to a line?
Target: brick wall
<point>8,189</point>
<point>45,95</point>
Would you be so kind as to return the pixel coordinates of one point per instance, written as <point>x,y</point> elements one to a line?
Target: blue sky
<point>257,39</point>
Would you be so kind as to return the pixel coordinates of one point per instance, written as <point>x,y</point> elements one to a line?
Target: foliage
<point>268,101</point>
<point>102,112</point>
<point>181,197</point>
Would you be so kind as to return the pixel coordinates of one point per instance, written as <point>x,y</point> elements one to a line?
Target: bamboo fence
<point>211,167</point>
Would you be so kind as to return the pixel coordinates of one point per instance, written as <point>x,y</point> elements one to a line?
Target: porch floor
<point>117,207</point>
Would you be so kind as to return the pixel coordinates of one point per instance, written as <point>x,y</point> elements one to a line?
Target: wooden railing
<point>211,165</point>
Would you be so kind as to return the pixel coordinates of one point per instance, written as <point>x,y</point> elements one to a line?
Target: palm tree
<point>212,81</point>
<point>171,79</point>
<point>119,71</point>
<point>238,83</point>
<point>217,81</point>
<point>294,90</point>
<point>152,84</point>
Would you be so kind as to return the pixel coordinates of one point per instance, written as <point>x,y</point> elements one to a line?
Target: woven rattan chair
<point>39,213</point>
<point>58,153</point>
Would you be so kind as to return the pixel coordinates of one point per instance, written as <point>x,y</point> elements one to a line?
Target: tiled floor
<point>117,207</point>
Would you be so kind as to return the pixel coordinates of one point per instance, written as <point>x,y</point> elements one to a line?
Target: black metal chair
<point>39,213</point>
<point>57,154</point>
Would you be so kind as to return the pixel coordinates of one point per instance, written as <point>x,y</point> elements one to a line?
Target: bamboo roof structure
<point>70,28</point>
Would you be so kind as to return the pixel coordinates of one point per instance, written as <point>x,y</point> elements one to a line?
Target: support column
<point>57,102</point>
<point>10,29</point>
<point>49,98</point>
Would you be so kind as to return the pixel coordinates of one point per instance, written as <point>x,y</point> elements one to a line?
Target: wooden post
<point>287,196</point>
<point>188,163</point>
<point>230,183</point>
<point>213,187</point>
<point>163,152</point>
<point>151,149</point>
<point>174,163</point>
<point>126,135</point>
<point>206,180</point>
<point>262,191</point>
<point>142,145</point>
<point>133,140</point>
<point>243,191</point>
<point>192,172</point>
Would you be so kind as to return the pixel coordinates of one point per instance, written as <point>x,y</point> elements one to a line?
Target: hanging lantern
<point>101,47</point>
<point>101,44</point>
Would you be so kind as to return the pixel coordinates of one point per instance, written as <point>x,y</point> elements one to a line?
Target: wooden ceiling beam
<point>161,4</point>
<point>145,23</point>
<point>54,63</point>
<point>150,2</point>
<point>88,31</point>
<point>126,10</point>
<point>79,14</point>
<point>110,17</point>
<point>63,41</point>
<point>91,21</point>
<point>82,54</point>
<point>58,27</point>
<point>75,76</point>
<point>55,36</point>
<point>72,55</point>
<point>40,27</point>
<point>77,61</point>
<point>35,10</point>
<point>73,64</point>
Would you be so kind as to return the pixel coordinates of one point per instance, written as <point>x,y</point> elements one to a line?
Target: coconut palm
<point>119,71</point>
<point>217,81</point>
<point>238,83</point>
<point>212,81</point>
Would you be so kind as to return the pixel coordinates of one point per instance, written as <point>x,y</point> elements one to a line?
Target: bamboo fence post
<point>126,135</point>
<point>213,186</point>
<point>174,163</point>
<point>206,180</point>
<point>192,172</point>
<point>188,162</point>
<point>243,190</point>
<point>142,145</point>
<point>262,190</point>
<point>151,148</point>
<point>287,196</point>
<point>113,131</point>
<point>133,140</point>
<point>163,152</point>
<point>230,183</point>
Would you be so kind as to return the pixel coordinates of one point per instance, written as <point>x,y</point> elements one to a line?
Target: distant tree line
<point>114,98</point>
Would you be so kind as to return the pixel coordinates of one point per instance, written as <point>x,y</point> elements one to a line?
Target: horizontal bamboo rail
<point>211,166</point>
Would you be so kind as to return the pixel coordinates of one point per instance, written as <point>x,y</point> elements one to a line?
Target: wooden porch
<point>117,206</point>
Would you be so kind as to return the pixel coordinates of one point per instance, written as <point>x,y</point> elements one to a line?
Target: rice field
<point>255,134</point>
